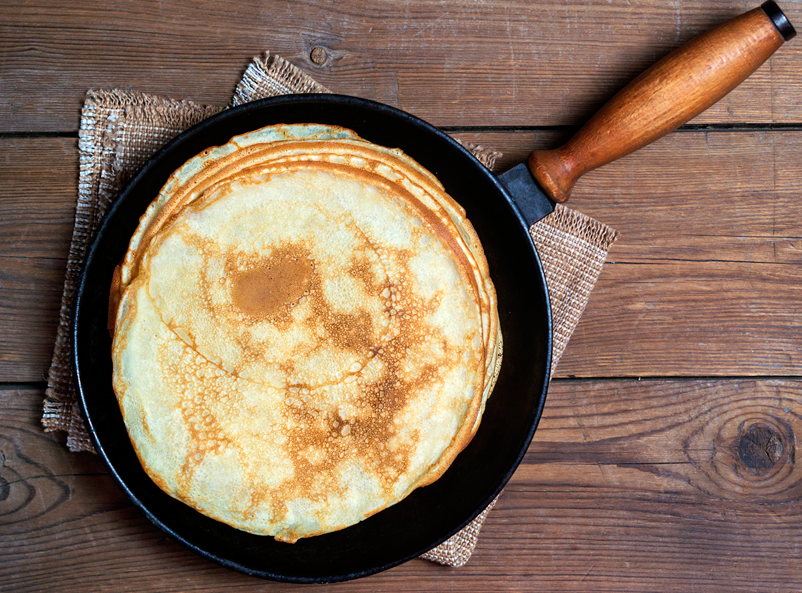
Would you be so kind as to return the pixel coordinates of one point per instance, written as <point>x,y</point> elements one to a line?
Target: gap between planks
<point>724,127</point>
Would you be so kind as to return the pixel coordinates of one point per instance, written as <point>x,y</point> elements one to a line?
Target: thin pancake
<point>280,143</point>
<point>305,334</point>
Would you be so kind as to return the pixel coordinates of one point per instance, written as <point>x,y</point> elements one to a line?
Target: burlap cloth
<point>121,130</point>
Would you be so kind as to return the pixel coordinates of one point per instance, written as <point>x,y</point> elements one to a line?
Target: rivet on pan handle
<point>677,88</point>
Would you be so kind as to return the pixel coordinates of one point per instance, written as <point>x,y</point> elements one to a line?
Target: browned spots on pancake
<point>351,331</point>
<point>388,397</point>
<point>362,429</point>
<point>203,386</point>
<point>274,285</point>
<point>362,269</point>
<point>380,403</point>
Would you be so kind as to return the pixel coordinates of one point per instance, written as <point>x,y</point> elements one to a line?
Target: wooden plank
<point>38,184</point>
<point>456,64</point>
<point>30,298</point>
<point>38,189</point>
<point>628,486</point>
<point>704,280</point>
<point>694,319</point>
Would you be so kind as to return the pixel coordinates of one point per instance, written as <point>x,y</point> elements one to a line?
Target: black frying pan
<point>429,515</point>
<point>501,210</point>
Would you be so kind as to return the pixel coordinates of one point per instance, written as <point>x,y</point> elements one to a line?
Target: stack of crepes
<point>305,331</point>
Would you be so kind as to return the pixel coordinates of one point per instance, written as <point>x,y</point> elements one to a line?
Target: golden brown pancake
<point>306,331</point>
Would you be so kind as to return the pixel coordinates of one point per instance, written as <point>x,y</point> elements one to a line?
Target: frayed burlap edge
<point>572,249</point>
<point>103,170</point>
<point>270,75</point>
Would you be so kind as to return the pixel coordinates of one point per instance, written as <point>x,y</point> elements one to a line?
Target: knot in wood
<point>5,487</point>
<point>760,448</point>
<point>318,56</point>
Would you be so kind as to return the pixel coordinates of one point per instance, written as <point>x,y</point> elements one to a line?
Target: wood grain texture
<point>628,486</point>
<point>705,279</point>
<point>684,482</point>
<point>456,64</point>
<point>38,191</point>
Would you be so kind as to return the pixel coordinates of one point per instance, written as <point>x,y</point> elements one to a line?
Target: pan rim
<point>93,253</point>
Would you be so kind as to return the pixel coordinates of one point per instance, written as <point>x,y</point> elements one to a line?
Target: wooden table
<point>665,459</point>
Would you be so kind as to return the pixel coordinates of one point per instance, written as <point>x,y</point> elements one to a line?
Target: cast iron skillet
<point>680,86</point>
<point>429,515</point>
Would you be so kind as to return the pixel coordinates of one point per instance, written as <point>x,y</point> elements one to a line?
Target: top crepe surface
<point>306,331</point>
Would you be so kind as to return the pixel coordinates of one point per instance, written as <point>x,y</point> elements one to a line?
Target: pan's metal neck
<point>526,194</point>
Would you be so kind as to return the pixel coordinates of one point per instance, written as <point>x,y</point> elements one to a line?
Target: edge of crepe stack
<point>246,153</point>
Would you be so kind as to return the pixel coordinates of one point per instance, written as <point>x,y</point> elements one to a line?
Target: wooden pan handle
<point>676,89</point>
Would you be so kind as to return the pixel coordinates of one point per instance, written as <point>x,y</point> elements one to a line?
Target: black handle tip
<point>780,21</point>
